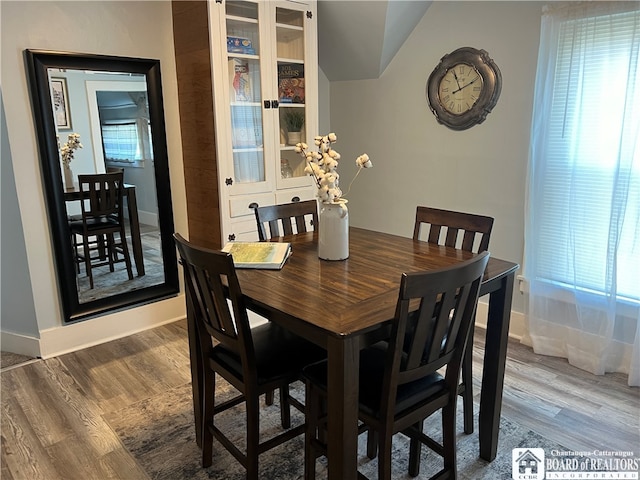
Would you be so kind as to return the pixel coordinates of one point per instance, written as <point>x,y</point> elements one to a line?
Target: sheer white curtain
<point>582,234</point>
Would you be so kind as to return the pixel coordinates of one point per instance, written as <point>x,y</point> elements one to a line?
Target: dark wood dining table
<point>341,305</point>
<point>129,192</point>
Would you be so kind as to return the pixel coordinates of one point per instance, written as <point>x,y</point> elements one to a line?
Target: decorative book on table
<point>265,255</point>
<point>291,83</point>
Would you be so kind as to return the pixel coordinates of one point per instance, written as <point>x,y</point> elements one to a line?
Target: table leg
<point>134,223</point>
<point>344,364</point>
<point>495,355</point>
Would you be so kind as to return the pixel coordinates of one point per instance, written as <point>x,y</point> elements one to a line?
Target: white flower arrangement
<point>323,164</point>
<point>69,147</point>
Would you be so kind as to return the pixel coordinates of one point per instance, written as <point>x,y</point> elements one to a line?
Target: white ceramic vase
<point>333,235</point>
<point>68,177</point>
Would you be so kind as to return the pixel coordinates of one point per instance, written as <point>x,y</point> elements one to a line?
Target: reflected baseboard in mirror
<point>107,283</point>
<point>120,82</point>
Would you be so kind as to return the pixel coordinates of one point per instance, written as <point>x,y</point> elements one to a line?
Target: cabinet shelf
<point>248,149</point>
<point>290,60</point>
<point>289,27</point>
<point>249,56</point>
<point>235,18</point>
<point>245,104</point>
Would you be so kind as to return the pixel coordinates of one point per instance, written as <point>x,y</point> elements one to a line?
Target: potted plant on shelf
<point>294,121</point>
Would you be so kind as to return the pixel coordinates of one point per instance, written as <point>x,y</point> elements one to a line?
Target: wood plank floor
<point>53,411</point>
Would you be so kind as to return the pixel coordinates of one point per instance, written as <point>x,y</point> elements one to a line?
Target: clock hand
<point>457,82</point>
<point>470,83</point>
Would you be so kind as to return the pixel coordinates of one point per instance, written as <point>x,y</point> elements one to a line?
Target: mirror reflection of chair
<point>400,381</point>
<point>254,360</point>
<point>102,220</point>
<point>468,232</point>
<point>280,219</point>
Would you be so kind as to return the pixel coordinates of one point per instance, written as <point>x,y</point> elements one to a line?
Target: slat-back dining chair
<point>278,220</point>
<point>102,217</point>
<point>253,360</point>
<point>468,232</point>
<point>400,384</point>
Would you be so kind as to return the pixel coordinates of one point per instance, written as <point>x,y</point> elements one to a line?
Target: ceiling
<point>357,39</point>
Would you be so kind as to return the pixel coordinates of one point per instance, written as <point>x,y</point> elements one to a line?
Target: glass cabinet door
<point>290,48</point>
<point>244,61</point>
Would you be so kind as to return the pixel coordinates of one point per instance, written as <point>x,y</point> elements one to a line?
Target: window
<point>121,142</point>
<point>584,196</point>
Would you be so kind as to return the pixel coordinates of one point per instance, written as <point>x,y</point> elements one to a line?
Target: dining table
<point>72,194</point>
<point>344,305</point>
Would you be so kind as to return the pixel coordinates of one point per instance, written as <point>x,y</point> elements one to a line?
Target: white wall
<point>419,162</point>
<point>132,29</point>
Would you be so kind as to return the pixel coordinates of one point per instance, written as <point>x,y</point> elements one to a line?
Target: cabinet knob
<point>295,199</point>
<point>267,104</point>
<point>232,237</point>
<point>253,205</point>
<point>274,103</point>
<point>228,181</point>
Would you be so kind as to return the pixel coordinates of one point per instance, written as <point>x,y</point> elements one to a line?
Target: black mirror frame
<point>38,62</point>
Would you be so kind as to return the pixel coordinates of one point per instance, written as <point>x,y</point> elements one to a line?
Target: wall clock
<point>463,88</point>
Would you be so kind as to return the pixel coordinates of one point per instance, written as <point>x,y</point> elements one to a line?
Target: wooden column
<point>197,122</point>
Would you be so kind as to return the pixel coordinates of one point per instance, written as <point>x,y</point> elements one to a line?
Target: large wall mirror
<point>114,105</point>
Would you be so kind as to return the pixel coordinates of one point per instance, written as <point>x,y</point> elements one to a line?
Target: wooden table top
<point>350,296</point>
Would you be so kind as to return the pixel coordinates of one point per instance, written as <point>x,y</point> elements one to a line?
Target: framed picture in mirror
<point>60,102</point>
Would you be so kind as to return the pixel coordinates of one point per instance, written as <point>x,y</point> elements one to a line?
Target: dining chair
<point>278,220</point>
<point>253,360</point>
<point>102,218</point>
<point>400,384</point>
<point>465,231</point>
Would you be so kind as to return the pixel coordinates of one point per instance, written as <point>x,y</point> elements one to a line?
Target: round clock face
<point>460,89</point>
<point>463,88</point>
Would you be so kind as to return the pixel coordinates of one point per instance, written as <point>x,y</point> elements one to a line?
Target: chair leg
<point>208,407</point>
<point>415,448</point>
<point>111,247</point>
<point>253,434</point>
<point>449,438</point>
<point>125,252</point>
<point>385,443</point>
<point>87,260</point>
<point>467,380</point>
<point>285,407</point>
<point>268,397</point>
<point>372,443</point>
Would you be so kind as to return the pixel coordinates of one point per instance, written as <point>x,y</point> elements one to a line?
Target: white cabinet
<point>265,85</point>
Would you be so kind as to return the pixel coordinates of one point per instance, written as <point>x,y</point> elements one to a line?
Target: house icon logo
<point>527,464</point>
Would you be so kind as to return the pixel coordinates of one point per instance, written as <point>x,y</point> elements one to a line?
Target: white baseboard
<point>516,326</point>
<point>69,338</point>
<point>21,344</point>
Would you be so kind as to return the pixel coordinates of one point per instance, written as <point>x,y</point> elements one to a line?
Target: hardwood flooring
<point>54,411</point>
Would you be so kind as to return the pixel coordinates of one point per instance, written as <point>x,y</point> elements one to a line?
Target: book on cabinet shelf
<point>264,255</point>
<point>291,83</point>
<point>240,80</point>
